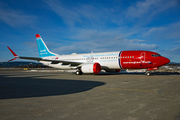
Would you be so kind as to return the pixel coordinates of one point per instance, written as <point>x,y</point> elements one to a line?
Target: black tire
<point>78,72</point>
<point>148,73</point>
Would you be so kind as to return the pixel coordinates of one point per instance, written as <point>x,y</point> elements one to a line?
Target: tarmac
<point>66,96</point>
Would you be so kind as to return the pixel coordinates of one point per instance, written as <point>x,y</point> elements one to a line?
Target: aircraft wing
<point>30,58</point>
<point>54,61</point>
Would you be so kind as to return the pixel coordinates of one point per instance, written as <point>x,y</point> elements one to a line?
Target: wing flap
<point>72,63</point>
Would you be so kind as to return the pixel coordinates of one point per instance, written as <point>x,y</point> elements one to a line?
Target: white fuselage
<point>105,59</point>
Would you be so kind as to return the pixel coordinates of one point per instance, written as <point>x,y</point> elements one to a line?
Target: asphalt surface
<point>66,96</point>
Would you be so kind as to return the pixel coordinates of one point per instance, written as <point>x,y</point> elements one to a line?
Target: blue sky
<point>82,26</point>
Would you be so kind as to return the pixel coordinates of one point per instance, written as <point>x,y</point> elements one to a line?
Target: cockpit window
<point>155,55</point>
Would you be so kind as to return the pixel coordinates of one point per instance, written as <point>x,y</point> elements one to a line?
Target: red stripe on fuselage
<point>139,60</point>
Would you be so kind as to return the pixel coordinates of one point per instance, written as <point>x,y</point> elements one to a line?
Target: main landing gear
<point>148,73</point>
<point>78,72</point>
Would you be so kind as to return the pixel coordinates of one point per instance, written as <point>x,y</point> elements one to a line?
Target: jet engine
<point>91,68</point>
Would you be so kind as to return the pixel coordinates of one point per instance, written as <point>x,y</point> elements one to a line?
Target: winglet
<point>12,52</point>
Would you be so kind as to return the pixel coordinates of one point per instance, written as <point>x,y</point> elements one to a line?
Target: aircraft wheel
<point>148,73</point>
<point>78,72</point>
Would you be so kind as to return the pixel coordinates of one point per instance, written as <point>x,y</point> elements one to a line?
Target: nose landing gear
<point>148,72</point>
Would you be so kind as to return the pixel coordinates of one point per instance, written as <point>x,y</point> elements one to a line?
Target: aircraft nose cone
<point>166,60</point>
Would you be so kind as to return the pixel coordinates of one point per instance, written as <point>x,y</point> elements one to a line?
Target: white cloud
<point>149,7</point>
<point>148,11</point>
<point>68,15</point>
<point>172,54</point>
<point>170,31</point>
<point>137,40</point>
<point>89,16</point>
<point>178,41</point>
<point>102,41</point>
<point>2,43</point>
<point>15,18</point>
<point>153,30</point>
<point>30,44</point>
<point>104,46</point>
<point>83,15</point>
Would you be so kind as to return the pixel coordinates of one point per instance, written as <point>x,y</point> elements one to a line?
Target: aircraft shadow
<point>24,87</point>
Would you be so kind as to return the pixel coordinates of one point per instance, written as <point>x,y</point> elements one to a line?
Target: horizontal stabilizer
<point>13,54</point>
<point>12,59</point>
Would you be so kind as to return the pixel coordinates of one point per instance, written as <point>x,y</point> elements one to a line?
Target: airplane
<point>95,62</point>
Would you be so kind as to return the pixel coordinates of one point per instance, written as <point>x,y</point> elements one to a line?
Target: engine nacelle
<point>91,68</point>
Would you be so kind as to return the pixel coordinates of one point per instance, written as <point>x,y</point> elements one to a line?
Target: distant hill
<point>19,64</point>
<point>173,63</point>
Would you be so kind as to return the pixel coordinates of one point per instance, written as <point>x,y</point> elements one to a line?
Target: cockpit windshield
<point>155,55</point>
